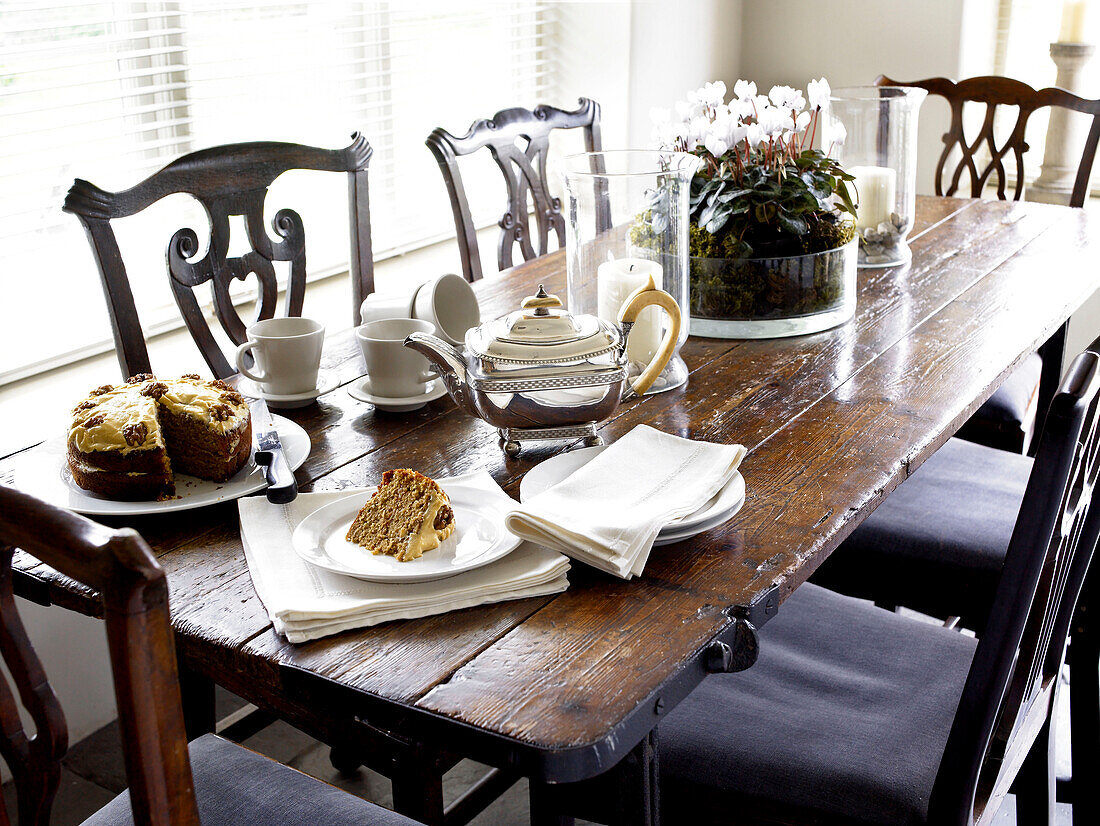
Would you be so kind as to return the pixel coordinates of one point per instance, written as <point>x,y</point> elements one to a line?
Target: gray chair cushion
<point>937,543</point>
<point>235,786</point>
<point>1009,403</point>
<point>1007,419</point>
<point>843,718</point>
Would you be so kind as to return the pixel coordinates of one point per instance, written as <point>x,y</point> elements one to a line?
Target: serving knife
<point>282,487</point>
<point>281,484</point>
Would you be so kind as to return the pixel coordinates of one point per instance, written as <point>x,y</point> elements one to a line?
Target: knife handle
<point>281,484</point>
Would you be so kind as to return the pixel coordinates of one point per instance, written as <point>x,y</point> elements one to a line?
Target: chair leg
<point>1084,714</point>
<point>197,695</point>
<point>1036,793</point>
<point>544,807</point>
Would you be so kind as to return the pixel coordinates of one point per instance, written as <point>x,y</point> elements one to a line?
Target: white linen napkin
<point>305,602</point>
<point>608,513</point>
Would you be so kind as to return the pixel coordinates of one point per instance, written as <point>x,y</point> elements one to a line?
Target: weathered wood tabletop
<point>564,686</point>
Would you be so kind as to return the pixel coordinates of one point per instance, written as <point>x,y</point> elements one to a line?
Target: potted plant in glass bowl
<point>773,244</point>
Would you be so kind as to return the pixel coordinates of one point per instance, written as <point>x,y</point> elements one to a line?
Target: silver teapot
<point>540,373</point>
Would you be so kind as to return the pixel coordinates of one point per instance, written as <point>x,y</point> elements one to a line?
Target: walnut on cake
<point>408,515</point>
<point>125,442</point>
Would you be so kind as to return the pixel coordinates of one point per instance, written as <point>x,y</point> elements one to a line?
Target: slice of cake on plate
<point>408,515</point>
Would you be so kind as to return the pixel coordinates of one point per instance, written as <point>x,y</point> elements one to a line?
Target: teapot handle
<point>637,301</point>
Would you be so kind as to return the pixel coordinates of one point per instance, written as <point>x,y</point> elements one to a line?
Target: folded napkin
<point>609,512</point>
<point>305,602</point>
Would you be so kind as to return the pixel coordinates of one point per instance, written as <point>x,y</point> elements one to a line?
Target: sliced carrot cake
<point>407,515</point>
<point>126,441</point>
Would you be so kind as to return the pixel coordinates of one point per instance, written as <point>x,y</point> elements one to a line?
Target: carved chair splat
<point>518,140</point>
<point>227,180</point>
<point>994,92</point>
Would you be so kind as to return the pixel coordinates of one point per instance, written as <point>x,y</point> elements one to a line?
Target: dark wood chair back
<point>996,92</point>
<point>518,140</point>
<point>226,180</point>
<point>119,565</point>
<point>1010,690</point>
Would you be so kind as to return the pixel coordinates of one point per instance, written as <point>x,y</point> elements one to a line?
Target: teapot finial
<point>541,302</point>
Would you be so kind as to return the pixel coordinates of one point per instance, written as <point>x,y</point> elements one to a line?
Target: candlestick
<point>615,281</point>
<point>876,187</point>
<point>1066,130</point>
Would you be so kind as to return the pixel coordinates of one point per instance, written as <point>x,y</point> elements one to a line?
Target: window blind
<point>112,91</point>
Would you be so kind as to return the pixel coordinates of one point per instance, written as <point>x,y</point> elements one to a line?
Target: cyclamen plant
<point>761,183</point>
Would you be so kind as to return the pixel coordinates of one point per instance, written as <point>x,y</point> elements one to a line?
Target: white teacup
<point>287,353</point>
<point>448,302</point>
<point>395,371</point>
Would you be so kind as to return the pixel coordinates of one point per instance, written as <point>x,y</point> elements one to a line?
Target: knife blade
<point>281,484</point>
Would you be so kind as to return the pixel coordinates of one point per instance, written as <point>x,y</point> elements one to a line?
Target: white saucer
<point>360,389</point>
<point>710,514</point>
<point>325,383</point>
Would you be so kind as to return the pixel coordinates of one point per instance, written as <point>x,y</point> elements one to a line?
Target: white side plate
<point>49,479</point>
<point>479,538</point>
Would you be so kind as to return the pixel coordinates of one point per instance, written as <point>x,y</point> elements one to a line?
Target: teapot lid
<point>542,331</point>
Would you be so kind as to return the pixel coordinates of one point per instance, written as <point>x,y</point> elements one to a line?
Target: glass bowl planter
<point>773,297</point>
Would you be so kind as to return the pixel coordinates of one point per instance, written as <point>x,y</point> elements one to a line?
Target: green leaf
<point>792,224</point>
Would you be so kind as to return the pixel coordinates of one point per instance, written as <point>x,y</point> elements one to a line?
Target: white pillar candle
<point>876,187</point>
<point>1074,21</point>
<point>615,281</point>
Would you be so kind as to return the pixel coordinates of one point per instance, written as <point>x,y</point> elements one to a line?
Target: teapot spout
<point>449,362</point>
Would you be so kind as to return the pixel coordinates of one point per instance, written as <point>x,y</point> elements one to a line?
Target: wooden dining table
<point>566,687</point>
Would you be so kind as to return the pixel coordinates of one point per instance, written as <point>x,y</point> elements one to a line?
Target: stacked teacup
<point>398,379</point>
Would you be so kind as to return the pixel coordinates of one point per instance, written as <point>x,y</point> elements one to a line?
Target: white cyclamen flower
<point>802,121</point>
<point>774,121</point>
<point>715,145</point>
<point>744,89</point>
<point>709,94</point>
<point>834,134</point>
<point>754,134</point>
<point>687,110</point>
<point>818,91</point>
<point>666,134</point>
<point>741,109</point>
<point>697,130</point>
<point>737,134</point>
<point>787,97</point>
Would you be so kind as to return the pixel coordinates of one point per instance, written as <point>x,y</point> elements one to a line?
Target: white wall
<point>73,650</point>
<point>677,46</point>
<point>851,42</point>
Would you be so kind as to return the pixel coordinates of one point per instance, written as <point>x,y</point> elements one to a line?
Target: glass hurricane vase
<point>872,131</point>
<point>627,220</point>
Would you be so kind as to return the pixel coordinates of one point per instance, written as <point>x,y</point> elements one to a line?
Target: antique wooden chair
<point>171,783</point>
<point>970,166</point>
<point>852,714</point>
<point>938,544</point>
<point>518,140</point>
<point>226,180</point>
